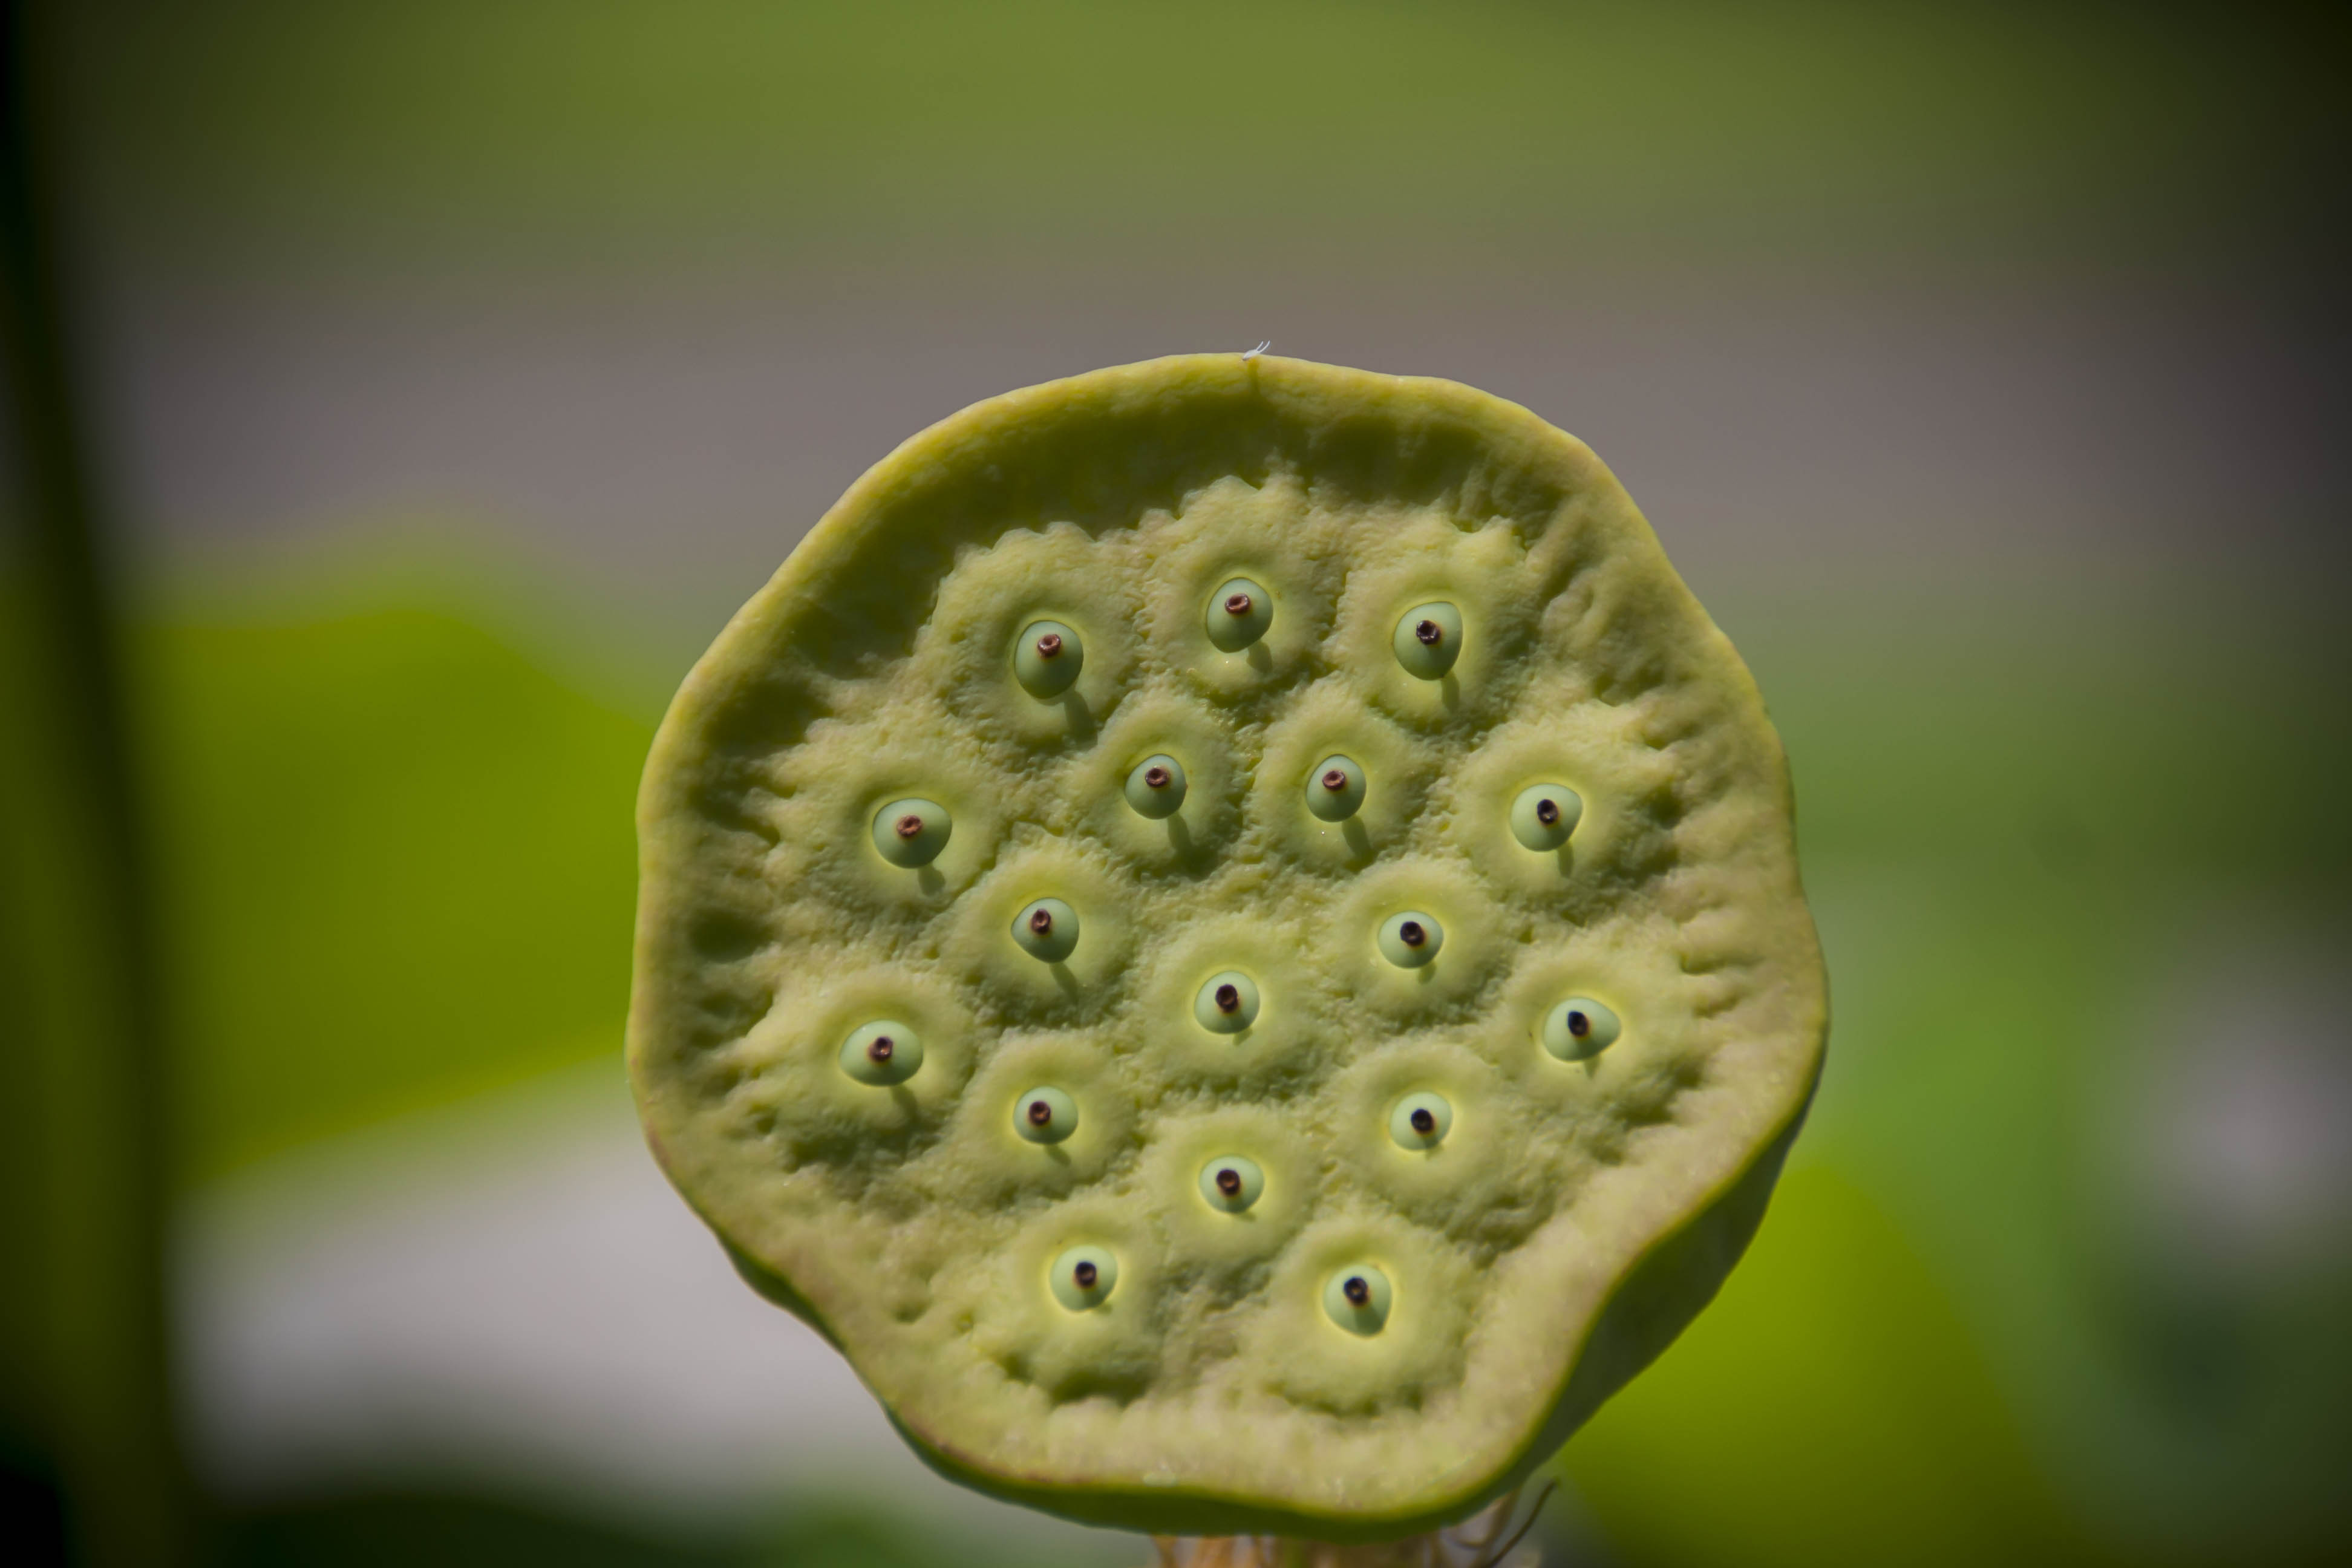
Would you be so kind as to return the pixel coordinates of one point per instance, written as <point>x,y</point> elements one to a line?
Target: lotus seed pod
<point>1200,1164</point>
<point>1046,659</point>
<point>1156,788</point>
<point>911,833</point>
<point>1428,640</point>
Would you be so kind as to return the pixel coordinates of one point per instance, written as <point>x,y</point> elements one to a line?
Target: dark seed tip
<point>1229,1181</point>
<point>1579,1024</point>
<point>1335,781</point>
<point>1429,632</point>
<point>1356,1290</point>
<point>1086,1274</point>
<point>1229,998</point>
<point>1040,1113</point>
<point>880,1051</point>
<point>1422,1121</point>
<point>1412,935</point>
<point>1237,605</point>
<point>1547,811</point>
<point>1041,921</point>
<point>1049,645</point>
<point>1155,778</point>
<point>909,825</point>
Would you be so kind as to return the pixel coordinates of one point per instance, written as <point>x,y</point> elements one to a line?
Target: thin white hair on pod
<point>1253,353</point>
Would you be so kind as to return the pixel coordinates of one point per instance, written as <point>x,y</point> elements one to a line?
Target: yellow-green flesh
<point>1571,1211</point>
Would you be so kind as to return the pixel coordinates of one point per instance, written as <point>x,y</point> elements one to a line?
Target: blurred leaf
<point>1829,1409</point>
<point>400,867</point>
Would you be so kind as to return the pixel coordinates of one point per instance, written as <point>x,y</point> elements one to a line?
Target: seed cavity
<point>1428,640</point>
<point>1544,815</point>
<point>1226,1003</point>
<point>1335,791</point>
<point>1155,788</point>
<point>1083,1278</point>
<point>1048,930</point>
<point>1579,1028</point>
<point>1231,1183</point>
<point>1357,1298</point>
<point>1410,938</point>
<point>1239,614</point>
<point>881,1053</point>
<point>1421,1122</point>
<point>1046,659</point>
<point>1045,1115</point>
<point>910,833</point>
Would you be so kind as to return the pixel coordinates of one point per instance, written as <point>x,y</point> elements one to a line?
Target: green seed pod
<point>1428,639</point>
<point>1156,787</point>
<point>1083,1278</point>
<point>1045,1116</point>
<point>1587,1211</point>
<point>881,1053</point>
<point>1238,615</point>
<point>1579,1028</point>
<point>1421,1121</point>
<point>1543,815</point>
<point>1357,1298</point>
<point>1411,940</point>
<point>911,833</point>
<point>1046,659</point>
<point>1335,789</point>
<point>1227,1003</point>
<point>1047,929</point>
<point>1231,1183</point>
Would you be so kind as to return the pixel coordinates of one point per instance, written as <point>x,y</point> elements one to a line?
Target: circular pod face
<point>1227,885</point>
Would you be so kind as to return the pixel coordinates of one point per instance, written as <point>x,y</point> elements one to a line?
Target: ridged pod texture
<point>1446,1241</point>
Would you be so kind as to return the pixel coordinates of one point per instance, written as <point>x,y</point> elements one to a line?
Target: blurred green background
<point>450,371</point>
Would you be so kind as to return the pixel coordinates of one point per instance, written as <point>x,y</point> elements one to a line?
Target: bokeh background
<point>444,374</point>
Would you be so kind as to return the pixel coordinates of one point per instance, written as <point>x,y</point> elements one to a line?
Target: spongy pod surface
<point>1230,932</point>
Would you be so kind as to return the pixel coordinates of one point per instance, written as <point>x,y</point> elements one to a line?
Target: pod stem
<point>1487,1539</point>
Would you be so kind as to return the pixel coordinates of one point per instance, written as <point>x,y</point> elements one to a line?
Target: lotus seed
<point>1545,815</point>
<point>1045,1116</point>
<point>1336,791</point>
<point>1083,1278</point>
<point>1227,1004</point>
<point>1231,1184</point>
<point>1358,1300</point>
<point>911,833</point>
<point>1047,659</point>
<point>1156,788</point>
<point>1579,1027</point>
<point>1239,614</point>
<point>881,1053</point>
<point>1421,1121</point>
<point>1411,940</point>
<point>1428,640</point>
<point>1048,930</point>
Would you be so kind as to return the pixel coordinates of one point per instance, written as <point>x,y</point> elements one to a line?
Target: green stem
<point>83,1012</point>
